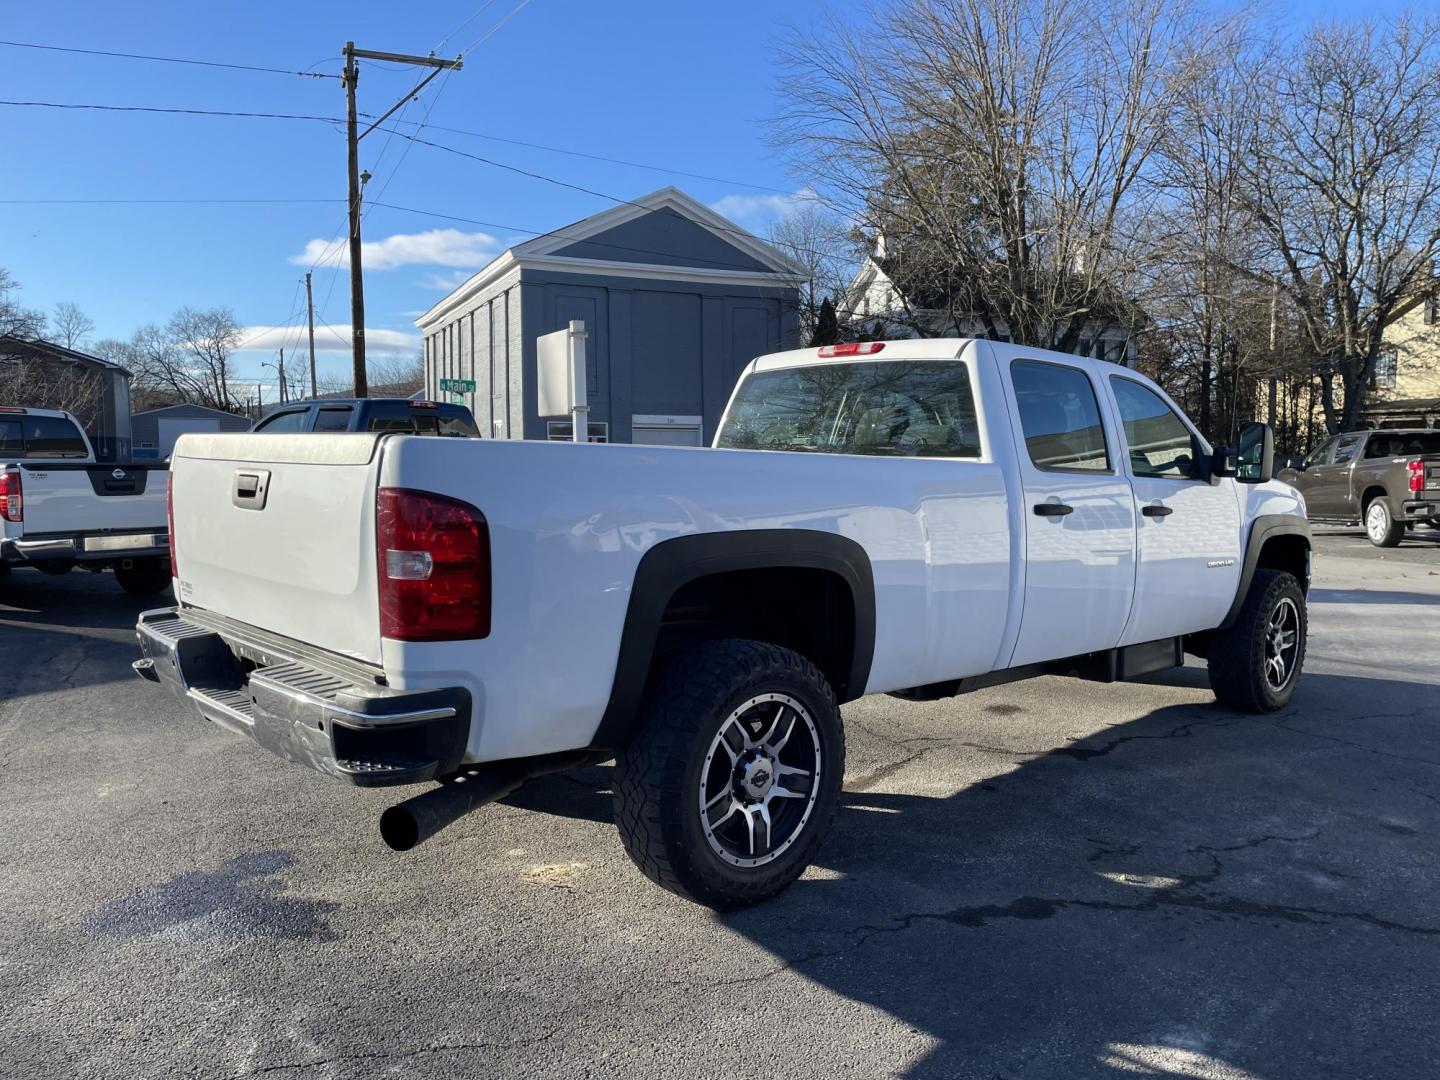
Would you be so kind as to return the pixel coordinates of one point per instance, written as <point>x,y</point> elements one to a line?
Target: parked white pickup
<point>59,508</point>
<point>940,515</point>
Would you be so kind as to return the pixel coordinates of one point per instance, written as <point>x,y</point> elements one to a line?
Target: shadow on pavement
<point>64,631</point>
<point>1372,596</point>
<point>1196,893</point>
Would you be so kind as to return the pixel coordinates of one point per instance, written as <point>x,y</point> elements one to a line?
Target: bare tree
<point>996,146</point>
<point>821,243</point>
<point>203,341</point>
<point>1343,178</point>
<point>397,376</point>
<point>70,326</point>
<point>16,320</point>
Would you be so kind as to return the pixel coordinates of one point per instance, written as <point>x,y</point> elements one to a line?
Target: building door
<point>1079,515</point>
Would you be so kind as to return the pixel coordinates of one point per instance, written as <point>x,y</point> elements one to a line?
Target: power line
<point>495,29</point>
<point>167,59</point>
<point>473,16</point>
<point>419,125</point>
<point>157,202</point>
<point>186,112</point>
<point>608,160</point>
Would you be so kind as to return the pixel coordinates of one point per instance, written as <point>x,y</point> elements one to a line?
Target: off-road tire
<point>1237,655</point>
<point>659,772</point>
<point>144,577</point>
<point>1387,535</point>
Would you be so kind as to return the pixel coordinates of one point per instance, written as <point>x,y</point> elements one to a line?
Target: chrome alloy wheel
<point>1282,642</point>
<point>1376,522</point>
<point>760,779</point>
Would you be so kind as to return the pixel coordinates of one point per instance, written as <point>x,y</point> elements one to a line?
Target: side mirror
<point>1255,459</point>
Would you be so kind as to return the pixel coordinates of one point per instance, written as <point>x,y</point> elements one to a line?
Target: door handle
<point>1053,509</point>
<point>1157,510</point>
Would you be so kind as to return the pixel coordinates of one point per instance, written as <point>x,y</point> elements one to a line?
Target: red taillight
<point>170,520</point>
<point>433,556</point>
<point>12,499</point>
<point>1417,475</point>
<point>852,348</point>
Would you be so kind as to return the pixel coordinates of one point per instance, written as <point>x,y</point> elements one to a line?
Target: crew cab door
<point>1189,528</point>
<point>1078,512</point>
<point>1325,479</point>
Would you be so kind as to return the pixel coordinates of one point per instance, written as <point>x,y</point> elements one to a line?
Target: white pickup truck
<point>60,509</point>
<point>917,517</point>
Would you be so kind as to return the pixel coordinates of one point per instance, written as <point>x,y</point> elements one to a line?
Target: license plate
<point>119,543</point>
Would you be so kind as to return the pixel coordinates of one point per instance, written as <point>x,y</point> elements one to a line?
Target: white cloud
<point>758,211</point>
<point>436,247</point>
<point>328,339</point>
<point>445,282</point>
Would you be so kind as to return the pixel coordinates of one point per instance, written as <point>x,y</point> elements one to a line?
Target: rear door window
<point>891,408</point>
<point>1060,417</point>
<point>333,418</point>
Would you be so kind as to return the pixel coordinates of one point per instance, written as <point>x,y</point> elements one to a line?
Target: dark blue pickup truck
<point>371,414</point>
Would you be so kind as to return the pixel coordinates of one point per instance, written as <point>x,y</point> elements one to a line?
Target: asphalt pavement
<point>1050,879</point>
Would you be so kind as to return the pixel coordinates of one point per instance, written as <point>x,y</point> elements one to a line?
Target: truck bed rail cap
<point>340,448</point>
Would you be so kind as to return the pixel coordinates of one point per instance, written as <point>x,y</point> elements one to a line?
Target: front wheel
<point>1381,526</point>
<point>1255,663</point>
<point>727,788</point>
<point>144,577</point>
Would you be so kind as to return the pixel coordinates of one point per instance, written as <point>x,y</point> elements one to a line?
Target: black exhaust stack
<point>414,821</point>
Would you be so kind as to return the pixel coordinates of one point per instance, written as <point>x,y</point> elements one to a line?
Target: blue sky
<point>653,82</point>
<point>681,85</point>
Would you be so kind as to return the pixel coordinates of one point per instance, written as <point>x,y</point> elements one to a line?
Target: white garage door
<point>171,429</point>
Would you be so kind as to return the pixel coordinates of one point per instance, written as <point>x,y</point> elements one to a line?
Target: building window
<point>561,431</point>
<point>1385,364</point>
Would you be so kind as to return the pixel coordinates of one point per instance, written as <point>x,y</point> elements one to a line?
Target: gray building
<point>155,430</point>
<point>676,300</point>
<point>44,375</point>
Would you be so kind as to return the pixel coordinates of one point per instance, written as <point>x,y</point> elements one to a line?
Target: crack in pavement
<point>1361,746</point>
<point>1033,908</point>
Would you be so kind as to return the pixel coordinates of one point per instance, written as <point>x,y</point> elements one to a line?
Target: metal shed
<point>155,430</point>
<point>675,298</point>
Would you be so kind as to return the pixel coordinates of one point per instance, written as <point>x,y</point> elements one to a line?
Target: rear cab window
<point>888,408</point>
<point>40,437</point>
<point>1059,417</point>
<point>421,418</point>
<point>1385,444</point>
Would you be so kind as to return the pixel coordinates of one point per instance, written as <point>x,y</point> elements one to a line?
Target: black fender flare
<point>1266,528</point>
<point>672,564</point>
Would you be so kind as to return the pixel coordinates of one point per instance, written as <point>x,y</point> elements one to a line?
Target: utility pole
<point>310,304</point>
<point>357,179</point>
<point>282,374</point>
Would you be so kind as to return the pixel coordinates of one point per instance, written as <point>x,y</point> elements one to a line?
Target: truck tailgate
<point>75,497</point>
<point>278,531</point>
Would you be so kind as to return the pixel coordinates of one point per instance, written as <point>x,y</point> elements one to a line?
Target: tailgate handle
<point>250,488</point>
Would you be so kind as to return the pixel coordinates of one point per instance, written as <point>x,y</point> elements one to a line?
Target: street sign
<point>457,386</point>
<point>457,399</point>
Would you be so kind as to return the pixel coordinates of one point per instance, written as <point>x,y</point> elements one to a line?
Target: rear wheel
<point>1380,526</point>
<point>727,788</point>
<point>1255,664</point>
<point>144,577</point>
